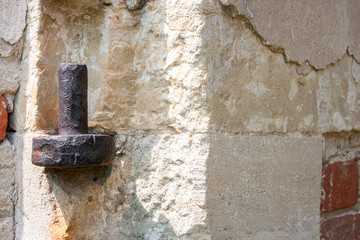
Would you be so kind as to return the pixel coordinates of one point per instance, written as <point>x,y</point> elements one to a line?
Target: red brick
<point>3,117</point>
<point>341,228</point>
<point>340,185</point>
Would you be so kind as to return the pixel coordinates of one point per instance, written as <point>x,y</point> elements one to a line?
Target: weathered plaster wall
<point>317,32</point>
<point>7,190</point>
<point>263,187</point>
<point>223,111</point>
<point>12,26</point>
<point>254,90</point>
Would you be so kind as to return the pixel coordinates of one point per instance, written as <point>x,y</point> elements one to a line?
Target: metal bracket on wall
<point>73,147</point>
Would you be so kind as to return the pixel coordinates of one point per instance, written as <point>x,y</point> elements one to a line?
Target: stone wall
<point>12,27</point>
<point>233,119</point>
<point>340,186</point>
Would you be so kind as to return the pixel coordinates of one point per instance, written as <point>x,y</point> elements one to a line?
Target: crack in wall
<point>241,10</point>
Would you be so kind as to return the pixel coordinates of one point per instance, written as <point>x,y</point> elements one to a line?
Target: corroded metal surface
<point>73,147</point>
<point>73,99</point>
<point>73,150</point>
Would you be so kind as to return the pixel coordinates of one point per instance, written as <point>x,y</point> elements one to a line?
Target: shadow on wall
<point>69,33</point>
<point>80,193</point>
<point>103,202</point>
<point>258,187</point>
<point>149,188</point>
<point>157,184</point>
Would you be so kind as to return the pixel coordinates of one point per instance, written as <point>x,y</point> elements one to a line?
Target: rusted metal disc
<point>64,151</point>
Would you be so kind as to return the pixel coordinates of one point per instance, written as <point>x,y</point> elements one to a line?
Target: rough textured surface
<point>73,103</point>
<point>344,146</point>
<point>340,185</point>
<point>10,102</point>
<point>341,228</point>
<point>7,190</point>
<point>12,25</point>
<point>140,78</point>
<point>169,174</point>
<point>3,117</point>
<point>167,187</point>
<point>304,27</point>
<point>337,98</point>
<point>34,202</point>
<point>12,22</point>
<point>251,89</point>
<point>264,187</point>
<point>186,87</point>
<point>147,78</point>
<point>155,189</point>
<point>135,4</point>
<point>72,150</point>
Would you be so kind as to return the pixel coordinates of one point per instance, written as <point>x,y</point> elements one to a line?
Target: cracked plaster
<point>319,32</point>
<point>186,69</point>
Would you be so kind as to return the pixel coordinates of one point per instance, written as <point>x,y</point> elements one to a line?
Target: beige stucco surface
<point>221,112</point>
<point>252,89</point>
<point>12,26</point>
<point>7,190</point>
<point>264,187</point>
<point>176,67</point>
<point>182,187</point>
<point>319,32</point>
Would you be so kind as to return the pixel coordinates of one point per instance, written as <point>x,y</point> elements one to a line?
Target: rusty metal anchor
<point>73,147</point>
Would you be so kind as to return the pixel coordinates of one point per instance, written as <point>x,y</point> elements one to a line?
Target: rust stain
<point>58,229</point>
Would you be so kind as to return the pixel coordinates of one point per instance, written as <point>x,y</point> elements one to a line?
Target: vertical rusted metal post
<point>73,147</point>
<point>73,107</point>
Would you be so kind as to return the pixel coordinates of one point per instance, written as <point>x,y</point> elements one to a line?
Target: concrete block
<point>264,187</point>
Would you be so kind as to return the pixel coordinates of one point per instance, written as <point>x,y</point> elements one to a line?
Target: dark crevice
<point>133,5</point>
<point>106,4</point>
